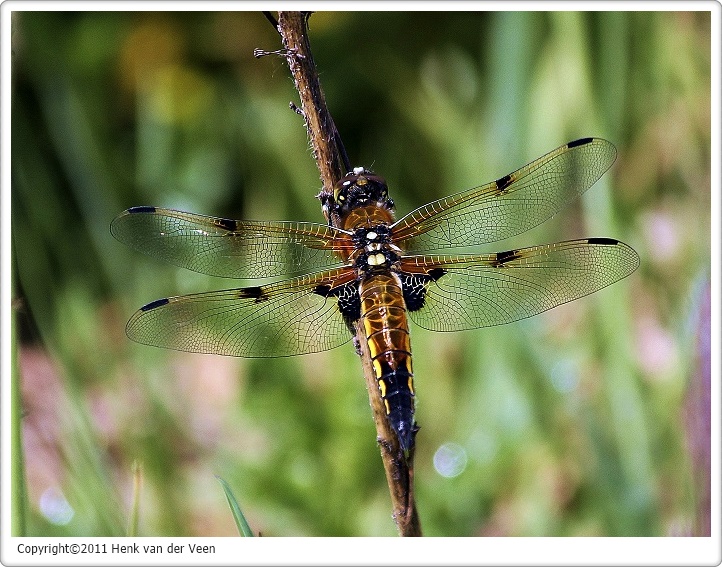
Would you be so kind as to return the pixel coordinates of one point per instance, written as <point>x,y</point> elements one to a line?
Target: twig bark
<point>328,151</point>
<point>333,163</point>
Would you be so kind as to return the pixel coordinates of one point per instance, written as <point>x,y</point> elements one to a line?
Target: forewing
<point>508,206</point>
<point>294,317</point>
<point>467,292</point>
<point>230,248</point>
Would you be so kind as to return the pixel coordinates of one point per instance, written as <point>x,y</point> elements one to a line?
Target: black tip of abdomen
<point>401,417</point>
<point>405,432</point>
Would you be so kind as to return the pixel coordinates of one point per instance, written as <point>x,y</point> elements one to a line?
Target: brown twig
<point>333,163</point>
<point>328,151</point>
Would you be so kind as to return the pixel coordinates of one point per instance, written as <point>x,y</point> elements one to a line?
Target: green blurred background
<point>575,422</point>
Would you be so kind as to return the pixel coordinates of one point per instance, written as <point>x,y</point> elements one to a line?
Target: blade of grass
<point>19,487</point>
<point>243,528</point>
<point>135,510</point>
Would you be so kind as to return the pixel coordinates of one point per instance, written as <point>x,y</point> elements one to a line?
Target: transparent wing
<point>293,317</point>
<point>230,248</point>
<point>508,206</point>
<point>467,292</point>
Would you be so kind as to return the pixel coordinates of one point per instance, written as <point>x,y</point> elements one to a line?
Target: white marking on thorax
<point>376,259</point>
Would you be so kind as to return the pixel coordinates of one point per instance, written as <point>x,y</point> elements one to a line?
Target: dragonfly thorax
<point>374,250</point>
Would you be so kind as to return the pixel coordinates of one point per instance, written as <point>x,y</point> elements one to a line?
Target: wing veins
<point>290,319</point>
<point>484,290</point>
<point>229,248</point>
<point>496,210</point>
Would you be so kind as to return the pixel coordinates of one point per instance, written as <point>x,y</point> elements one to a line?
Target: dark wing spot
<point>154,304</point>
<point>504,257</point>
<point>228,224</point>
<point>579,142</point>
<point>604,241</point>
<point>504,182</point>
<point>134,210</point>
<point>256,293</point>
<point>322,290</point>
<point>436,273</point>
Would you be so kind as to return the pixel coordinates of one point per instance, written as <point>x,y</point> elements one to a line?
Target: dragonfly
<point>365,270</point>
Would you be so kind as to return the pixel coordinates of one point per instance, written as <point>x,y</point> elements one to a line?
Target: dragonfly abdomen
<point>386,328</point>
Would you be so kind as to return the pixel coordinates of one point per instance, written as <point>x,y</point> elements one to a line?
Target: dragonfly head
<point>358,188</point>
